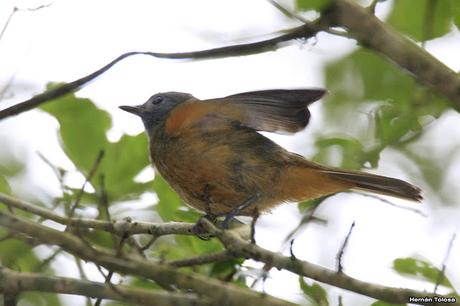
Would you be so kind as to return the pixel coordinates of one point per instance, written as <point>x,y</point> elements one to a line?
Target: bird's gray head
<point>157,107</point>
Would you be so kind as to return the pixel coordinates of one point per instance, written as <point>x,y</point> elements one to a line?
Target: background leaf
<point>169,201</point>
<point>378,107</point>
<point>315,293</point>
<point>420,269</point>
<point>422,19</point>
<point>4,186</point>
<point>122,162</point>
<point>455,5</point>
<point>83,129</point>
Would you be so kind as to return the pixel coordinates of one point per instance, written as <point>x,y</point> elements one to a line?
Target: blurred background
<point>375,117</point>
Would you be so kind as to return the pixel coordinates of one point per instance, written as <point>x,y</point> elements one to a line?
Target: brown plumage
<point>211,154</point>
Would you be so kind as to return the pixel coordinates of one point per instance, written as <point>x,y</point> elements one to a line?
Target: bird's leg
<point>198,228</point>
<point>236,211</point>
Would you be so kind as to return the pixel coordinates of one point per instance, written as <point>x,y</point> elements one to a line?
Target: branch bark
<point>216,291</point>
<point>11,281</point>
<point>363,26</point>
<point>124,227</point>
<point>304,31</point>
<point>235,245</point>
<point>372,33</point>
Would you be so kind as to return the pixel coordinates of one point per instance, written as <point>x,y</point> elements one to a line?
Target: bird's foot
<point>200,231</point>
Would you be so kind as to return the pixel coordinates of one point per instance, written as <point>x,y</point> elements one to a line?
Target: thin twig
<point>444,262</point>
<point>17,9</point>
<point>127,295</point>
<point>8,20</point>
<point>342,249</point>
<point>372,6</point>
<point>287,12</point>
<point>307,217</point>
<point>255,217</point>
<point>150,243</point>
<point>103,198</point>
<point>3,31</point>
<point>305,31</point>
<point>108,278</point>
<point>291,250</point>
<point>83,276</point>
<point>263,277</point>
<point>207,287</point>
<point>122,227</point>
<point>48,260</point>
<point>92,171</point>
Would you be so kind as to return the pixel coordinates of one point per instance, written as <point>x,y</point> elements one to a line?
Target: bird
<point>212,154</point>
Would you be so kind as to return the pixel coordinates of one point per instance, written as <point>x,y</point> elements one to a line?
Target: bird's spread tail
<point>378,184</point>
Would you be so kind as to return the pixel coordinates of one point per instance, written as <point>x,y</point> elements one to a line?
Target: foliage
<point>391,109</point>
<point>317,5</point>
<point>421,269</point>
<point>431,19</point>
<point>83,136</point>
<point>316,294</point>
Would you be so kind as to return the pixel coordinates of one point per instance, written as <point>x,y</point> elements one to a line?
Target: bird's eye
<point>157,99</point>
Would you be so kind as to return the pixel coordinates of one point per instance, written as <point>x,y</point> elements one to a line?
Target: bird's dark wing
<point>277,110</point>
<point>269,110</point>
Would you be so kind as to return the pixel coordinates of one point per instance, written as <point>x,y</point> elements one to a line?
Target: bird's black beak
<point>136,110</point>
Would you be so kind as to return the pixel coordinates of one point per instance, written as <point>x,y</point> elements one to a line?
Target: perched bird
<point>211,154</point>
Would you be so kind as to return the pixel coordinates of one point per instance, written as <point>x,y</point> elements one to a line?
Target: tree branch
<point>18,282</point>
<point>217,291</point>
<point>124,227</point>
<point>372,33</point>
<point>304,31</point>
<point>239,247</point>
<point>361,24</point>
<point>214,289</point>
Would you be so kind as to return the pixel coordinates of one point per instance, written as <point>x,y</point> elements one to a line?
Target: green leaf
<point>122,162</point>
<point>353,154</point>
<point>455,4</point>
<point>18,255</point>
<point>39,299</point>
<point>420,269</point>
<point>377,107</point>
<point>102,239</point>
<point>422,19</point>
<point>392,123</point>
<point>169,201</point>
<point>83,129</point>
<point>351,80</point>
<point>310,204</point>
<point>225,268</point>
<point>4,186</point>
<point>315,293</point>
<point>317,5</point>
